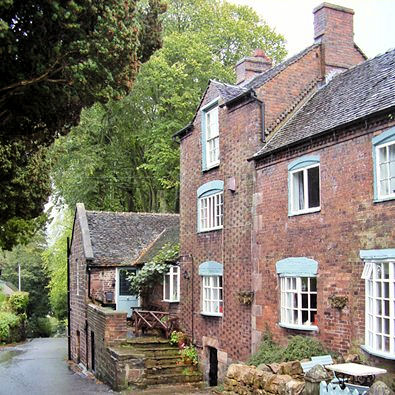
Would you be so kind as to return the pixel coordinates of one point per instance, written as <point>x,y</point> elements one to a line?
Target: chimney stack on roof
<point>333,28</point>
<point>250,66</point>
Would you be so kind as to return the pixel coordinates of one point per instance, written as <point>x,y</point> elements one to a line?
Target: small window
<point>212,295</point>
<point>210,208</point>
<point>386,170</point>
<point>210,135</point>
<point>299,301</point>
<point>384,165</point>
<point>304,186</point>
<point>211,212</point>
<point>171,285</point>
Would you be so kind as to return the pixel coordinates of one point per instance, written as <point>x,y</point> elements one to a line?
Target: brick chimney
<point>250,66</point>
<point>333,28</point>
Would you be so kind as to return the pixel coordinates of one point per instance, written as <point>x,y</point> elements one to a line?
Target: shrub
<point>298,348</point>
<point>268,351</point>
<point>303,347</point>
<point>8,322</point>
<point>40,327</point>
<point>18,302</point>
<point>2,298</point>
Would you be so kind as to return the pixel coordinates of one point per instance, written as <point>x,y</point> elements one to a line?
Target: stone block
<point>294,387</point>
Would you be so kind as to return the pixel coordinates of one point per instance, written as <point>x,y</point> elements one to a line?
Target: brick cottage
<point>287,202</point>
<point>287,213</point>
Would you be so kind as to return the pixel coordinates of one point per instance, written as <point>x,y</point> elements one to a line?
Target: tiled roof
<point>169,236</point>
<point>262,78</point>
<point>118,238</point>
<point>358,92</point>
<point>228,91</point>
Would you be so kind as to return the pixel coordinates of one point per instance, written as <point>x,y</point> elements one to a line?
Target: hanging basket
<point>338,302</point>
<point>245,297</point>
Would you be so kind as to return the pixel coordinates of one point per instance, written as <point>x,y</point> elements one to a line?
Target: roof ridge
<point>130,213</point>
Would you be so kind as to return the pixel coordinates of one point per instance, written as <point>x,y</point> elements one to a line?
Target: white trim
<point>171,273</point>
<point>299,327</point>
<point>390,195</point>
<point>212,302</point>
<point>208,219</point>
<point>306,208</point>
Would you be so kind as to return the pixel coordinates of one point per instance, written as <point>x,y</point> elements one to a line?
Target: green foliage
<point>268,351</point>
<point>41,327</point>
<point>189,354</point>
<point>58,57</point>
<point>298,348</point>
<point>3,298</point>
<point>122,156</point>
<point>177,337</point>
<point>55,261</point>
<point>152,272</point>
<point>34,275</point>
<point>8,321</point>
<point>18,302</point>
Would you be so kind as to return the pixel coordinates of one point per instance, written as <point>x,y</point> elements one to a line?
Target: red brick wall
<point>347,222</point>
<point>102,281</point>
<point>239,139</point>
<point>78,297</point>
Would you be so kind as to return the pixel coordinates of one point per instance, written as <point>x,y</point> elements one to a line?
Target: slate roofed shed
<point>116,238</point>
<point>363,90</point>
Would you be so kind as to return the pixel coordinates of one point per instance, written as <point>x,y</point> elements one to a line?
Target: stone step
<point>191,377</point>
<point>143,340</point>
<point>161,361</point>
<point>154,353</point>
<point>170,369</point>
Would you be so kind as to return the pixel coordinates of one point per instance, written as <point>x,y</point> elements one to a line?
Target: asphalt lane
<point>39,367</point>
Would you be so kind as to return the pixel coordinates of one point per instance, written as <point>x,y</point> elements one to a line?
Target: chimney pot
<point>251,66</point>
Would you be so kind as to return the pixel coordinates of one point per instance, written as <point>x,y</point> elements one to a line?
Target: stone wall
<point>284,378</point>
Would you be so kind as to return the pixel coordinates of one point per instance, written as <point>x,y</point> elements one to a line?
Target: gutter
<point>182,132</point>
<point>68,301</point>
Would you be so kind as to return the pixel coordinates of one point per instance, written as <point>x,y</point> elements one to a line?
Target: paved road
<point>39,368</point>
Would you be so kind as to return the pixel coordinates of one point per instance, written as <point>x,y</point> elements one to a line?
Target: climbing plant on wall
<point>152,272</point>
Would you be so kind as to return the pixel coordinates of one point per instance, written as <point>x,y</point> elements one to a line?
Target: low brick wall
<point>108,328</point>
<point>284,379</point>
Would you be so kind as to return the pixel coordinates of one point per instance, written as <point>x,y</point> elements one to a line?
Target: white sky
<point>374,22</point>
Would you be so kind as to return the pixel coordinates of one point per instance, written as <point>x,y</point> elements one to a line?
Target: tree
<point>122,156</point>
<point>56,58</point>
<point>34,276</point>
<point>55,261</point>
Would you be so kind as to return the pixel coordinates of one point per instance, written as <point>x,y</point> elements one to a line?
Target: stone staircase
<point>162,362</point>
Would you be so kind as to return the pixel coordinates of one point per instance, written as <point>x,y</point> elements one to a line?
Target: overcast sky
<point>374,22</point>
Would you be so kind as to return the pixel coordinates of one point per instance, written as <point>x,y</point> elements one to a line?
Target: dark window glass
<point>123,281</point>
<point>313,176</point>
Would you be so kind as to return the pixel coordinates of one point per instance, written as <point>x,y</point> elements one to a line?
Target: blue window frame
<point>210,135</point>
<point>298,287</point>
<point>210,206</point>
<point>304,185</point>
<point>384,165</point>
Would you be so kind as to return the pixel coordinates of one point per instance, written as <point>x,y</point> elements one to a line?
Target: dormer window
<point>210,135</point>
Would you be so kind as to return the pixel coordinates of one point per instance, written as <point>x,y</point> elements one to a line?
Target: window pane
<point>124,282</point>
<point>305,303</point>
<point>382,155</point>
<point>313,176</point>
<point>313,284</point>
<point>313,301</point>
<point>298,191</point>
<point>167,287</point>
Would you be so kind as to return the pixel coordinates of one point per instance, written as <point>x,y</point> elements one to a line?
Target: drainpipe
<point>262,110</point>
<point>68,300</point>
<point>193,300</point>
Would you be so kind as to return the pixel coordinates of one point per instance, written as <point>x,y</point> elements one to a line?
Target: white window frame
<point>380,308</point>
<point>390,194</point>
<point>212,297</point>
<point>306,209</point>
<point>211,212</point>
<point>174,270</point>
<point>297,292</point>
<point>212,136</point>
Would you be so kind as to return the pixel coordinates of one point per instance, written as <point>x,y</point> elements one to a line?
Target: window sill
<point>299,327</point>
<point>209,230</point>
<point>171,301</point>
<point>378,353</point>
<point>384,199</point>
<point>211,314</point>
<point>210,167</point>
<point>302,212</point>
